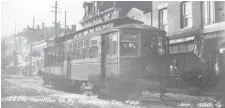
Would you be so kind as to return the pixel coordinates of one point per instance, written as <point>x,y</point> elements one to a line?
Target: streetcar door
<point>110,55</point>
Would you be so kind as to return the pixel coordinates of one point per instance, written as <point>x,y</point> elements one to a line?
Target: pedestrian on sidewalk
<point>39,72</point>
<point>163,76</point>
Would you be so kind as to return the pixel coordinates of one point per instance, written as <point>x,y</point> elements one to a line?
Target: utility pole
<point>65,23</point>
<point>14,52</point>
<point>31,45</point>
<point>56,33</point>
<point>56,12</point>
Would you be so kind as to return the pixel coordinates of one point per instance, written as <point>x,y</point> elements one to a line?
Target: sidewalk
<point>21,76</point>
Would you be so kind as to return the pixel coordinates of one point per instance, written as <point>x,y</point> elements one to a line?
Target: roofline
<point>133,9</point>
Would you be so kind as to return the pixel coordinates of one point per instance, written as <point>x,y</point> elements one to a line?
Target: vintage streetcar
<point>123,56</point>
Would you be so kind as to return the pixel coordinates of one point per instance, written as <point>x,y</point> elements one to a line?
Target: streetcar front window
<point>129,44</point>
<point>128,49</point>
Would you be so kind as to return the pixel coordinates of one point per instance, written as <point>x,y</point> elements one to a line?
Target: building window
<point>219,11</point>
<point>186,14</point>
<point>209,9</point>
<point>163,23</point>
<point>96,6</point>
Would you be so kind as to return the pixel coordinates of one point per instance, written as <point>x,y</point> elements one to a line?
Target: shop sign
<point>210,36</point>
<point>181,40</point>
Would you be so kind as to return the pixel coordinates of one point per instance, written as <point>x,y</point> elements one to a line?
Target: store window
<point>175,49</point>
<point>171,49</point>
<point>190,47</point>
<point>183,48</point>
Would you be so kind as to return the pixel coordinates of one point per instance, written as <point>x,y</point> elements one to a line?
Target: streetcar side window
<point>65,47</point>
<point>74,45</point>
<point>70,47</point>
<point>114,44</point>
<point>80,49</point>
<point>74,50</point>
<point>94,47</point>
<point>129,44</point>
<point>86,49</point>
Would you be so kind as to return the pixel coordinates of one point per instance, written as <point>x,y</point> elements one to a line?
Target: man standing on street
<point>163,75</point>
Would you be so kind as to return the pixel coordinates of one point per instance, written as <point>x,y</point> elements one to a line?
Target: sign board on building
<point>181,40</point>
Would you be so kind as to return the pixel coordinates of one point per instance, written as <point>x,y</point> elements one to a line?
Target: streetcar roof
<point>120,18</point>
<point>137,26</point>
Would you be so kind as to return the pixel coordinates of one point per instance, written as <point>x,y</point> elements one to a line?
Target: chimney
<point>74,28</point>
<point>38,27</point>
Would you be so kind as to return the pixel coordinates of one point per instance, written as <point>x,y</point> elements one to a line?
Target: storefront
<point>213,48</point>
<point>181,50</point>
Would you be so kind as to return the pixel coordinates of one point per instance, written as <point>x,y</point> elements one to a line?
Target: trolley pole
<point>56,8</point>
<point>31,45</point>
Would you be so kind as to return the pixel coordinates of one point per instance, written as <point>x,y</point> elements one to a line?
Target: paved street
<point>22,92</point>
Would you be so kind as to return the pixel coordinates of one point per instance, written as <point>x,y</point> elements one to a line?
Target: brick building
<point>195,28</point>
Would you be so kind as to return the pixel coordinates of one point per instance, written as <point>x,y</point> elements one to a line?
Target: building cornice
<point>98,15</point>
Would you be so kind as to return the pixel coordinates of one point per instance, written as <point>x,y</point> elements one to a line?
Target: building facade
<point>182,22</point>
<point>214,32</point>
<point>195,29</point>
<point>97,12</point>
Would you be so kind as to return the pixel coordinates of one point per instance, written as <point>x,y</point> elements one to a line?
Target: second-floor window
<point>186,14</point>
<point>163,23</point>
<point>209,10</point>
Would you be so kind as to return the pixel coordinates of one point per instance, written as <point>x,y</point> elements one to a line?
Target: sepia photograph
<point>112,54</point>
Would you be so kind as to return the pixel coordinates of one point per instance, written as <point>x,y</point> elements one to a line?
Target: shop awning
<point>213,44</point>
<point>180,40</point>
